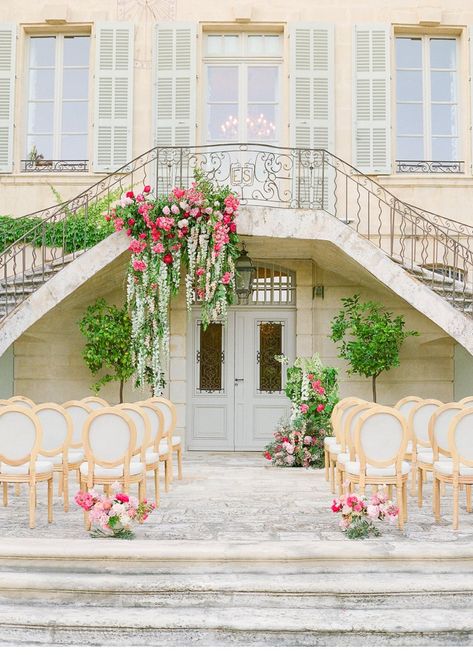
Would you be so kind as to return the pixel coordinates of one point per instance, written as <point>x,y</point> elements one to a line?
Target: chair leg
<point>166,475</point>
<point>65,490</point>
<point>390,492</point>
<point>17,488</point>
<point>437,499</point>
<point>60,488</point>
<point>455,506</point>
<point>340,482</point>
<point>468,497</point>
<point>5,494</point>
<point>404,501</point>
<point>156,485</point>
<point>32,505</point>
<point>332,475</point>
<point>179,462</point>
<point>50,500</point>
<point>326,465</point>
<point>400,504</point>
<point>442,488</point>
<point>414,478</point>
<point>420,481</point>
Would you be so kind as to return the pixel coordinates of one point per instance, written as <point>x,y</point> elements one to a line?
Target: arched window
<point>273,285</point>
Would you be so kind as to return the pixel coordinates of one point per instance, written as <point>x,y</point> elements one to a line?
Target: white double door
<point>235,385</point>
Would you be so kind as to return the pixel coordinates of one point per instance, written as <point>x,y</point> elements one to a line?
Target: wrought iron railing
<point>54,165</point>
<point>262,175</point>
<point>423,166</point>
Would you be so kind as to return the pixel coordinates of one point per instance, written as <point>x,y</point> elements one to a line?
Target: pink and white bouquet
<point>113,516</point>
<point>358,514</point>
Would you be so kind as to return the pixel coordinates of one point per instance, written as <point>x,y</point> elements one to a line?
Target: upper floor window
<point>243,81</point>
<point>427,104</point>
<point>58,103</point>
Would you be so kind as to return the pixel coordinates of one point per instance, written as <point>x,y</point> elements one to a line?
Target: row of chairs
<point>374,444</point>
<point>99,442</point>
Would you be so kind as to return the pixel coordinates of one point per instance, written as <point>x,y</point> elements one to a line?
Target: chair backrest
<point>109,437</point>
<point>79,413</point>
<point>142,424</point>
<point>460,439</point>
<point>168,410</point>
<point>57,429</point>
<point>340,423</point>
<point>350,425</point>
<point>466,402</point>
<point>381,438</point>
<point>156,419</point>
<point>406,404</point>
<point>94,402</point>
<point>418,422</point>
<point>439,426</point>
<point>20,436</point>
<point>22,401</point>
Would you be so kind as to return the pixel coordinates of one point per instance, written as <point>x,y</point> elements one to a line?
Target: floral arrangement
<point>113,516</point>
<point>313,391</point>
<point>195,227</point>
<point>358,514</point>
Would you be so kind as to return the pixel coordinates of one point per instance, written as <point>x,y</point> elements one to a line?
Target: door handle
<point>239,379</point>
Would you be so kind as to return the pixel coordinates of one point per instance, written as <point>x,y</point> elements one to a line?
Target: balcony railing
<point>55,165</point>
<point>421,166</point>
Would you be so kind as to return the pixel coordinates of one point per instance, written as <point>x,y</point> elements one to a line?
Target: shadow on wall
<point>6,373</point>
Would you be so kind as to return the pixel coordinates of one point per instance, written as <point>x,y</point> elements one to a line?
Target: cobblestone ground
<point>237,497</point>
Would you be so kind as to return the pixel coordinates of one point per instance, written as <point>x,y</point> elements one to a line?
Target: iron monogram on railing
<point>435,249</point>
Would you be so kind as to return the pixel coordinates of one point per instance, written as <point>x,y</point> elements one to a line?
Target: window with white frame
<point>58,102</point>
<point>427,104</point>
<point>243,80</point>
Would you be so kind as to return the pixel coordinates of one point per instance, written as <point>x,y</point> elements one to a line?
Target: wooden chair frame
<point>157,400</point>
<point>415,440</point>
<point>349,444</point>
<point>399,480</point>
<point>77,403</point>
<point>22,399</point>
<point>455,479</point>
<point>334,424</point>
<point>156,439</point>
<point>340,434</point>
<point>32,477</point>
<point>65,467</point>
<point>467,399</point>
<point>95,399</point>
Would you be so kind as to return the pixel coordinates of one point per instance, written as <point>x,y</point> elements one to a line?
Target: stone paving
<point>237,497</point>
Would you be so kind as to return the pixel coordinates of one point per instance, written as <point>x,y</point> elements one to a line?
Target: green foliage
<point>79,230</point>
<point>107,329</point>
<point>369,337</point>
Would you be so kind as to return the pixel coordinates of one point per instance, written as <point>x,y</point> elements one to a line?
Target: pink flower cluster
<point>353,507</point>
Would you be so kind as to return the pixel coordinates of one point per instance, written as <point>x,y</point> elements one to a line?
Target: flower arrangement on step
<point>313,391</point>
<point>195,227</point>
<point>113,516</point>
<point>358,514</point>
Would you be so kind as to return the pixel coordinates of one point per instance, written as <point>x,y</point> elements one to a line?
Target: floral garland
<point>195,227</point>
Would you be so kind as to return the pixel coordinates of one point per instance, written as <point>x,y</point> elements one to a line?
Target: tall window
<point>427,101</point>
<point>58,100</point>
<point>243,87</point>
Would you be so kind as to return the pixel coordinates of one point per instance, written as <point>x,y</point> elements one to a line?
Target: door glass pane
<point>409,85</point>
<point>76,50</point>
<point>40,117</point>
<point>408,53</point>
<point>222,122</point>
<point>42,84</point>
<point>410,119</point>
<point>74,146</point>
<point>222,84</point>
<point>445,149</point>
<point>43,145</point>
<point>444,120</point>
<point>270,344</point>
<point>42,51</point>
<point>263,84</point>
<point>410,148</point>
<point>443,86</point>
<point>261,122</point>
<point>210,357</point>
<point>443,53</point>
<point>74,116</point>
<point>75,84</point>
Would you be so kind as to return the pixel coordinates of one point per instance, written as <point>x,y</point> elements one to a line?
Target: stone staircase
<point>224,594</point>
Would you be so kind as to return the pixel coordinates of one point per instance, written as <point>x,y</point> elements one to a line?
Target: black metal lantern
<point>245,273</point>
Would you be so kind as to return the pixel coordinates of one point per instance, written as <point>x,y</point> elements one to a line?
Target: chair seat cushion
<point>176,440</point>
<point>335,448</point>
<point>116,472</point>
<point>329,440</point>
<point>427,457</point>
<point>446,467</point>
<point>23,469</point>
<point>342,458</point>
<point>163,448</point>
<point>73,457</point>
<point>372,471</point>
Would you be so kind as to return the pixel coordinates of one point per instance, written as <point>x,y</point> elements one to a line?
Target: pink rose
<point>373,511</point>
<point>139,265</point>
<point>200,271</point>
<point>307,440</point>
<point>226,278</point>
<point>158,248</point>
<point>166,211</point>
<point>320,408</point>
<point>304,408</point>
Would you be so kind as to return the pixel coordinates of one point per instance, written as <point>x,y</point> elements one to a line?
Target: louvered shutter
<point>113,96</point>
<point>371,99</point>
<point>7,92</point>
<point>312,110</point>
<point>175,84</point>
<point>470,34</point>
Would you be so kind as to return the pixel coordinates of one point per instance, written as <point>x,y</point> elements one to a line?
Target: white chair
<point>79,413</point>
<point>57,435</point>
<point>439,425</point>
<point>418,431</point>
<point>459,469</point>
<point>380,442</point>
<point>334,449</point>
<point>22,401</point>
<point>170,419</point>
<point>466,402</point>
<point>143,439</point>
<point>405,405</point>
<point>94,402</point>
<point>349,453</point>
<point>160,444</point>
<point>20,441</point>
<point>109,438</point>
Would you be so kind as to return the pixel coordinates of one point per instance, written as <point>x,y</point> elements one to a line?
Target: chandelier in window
<point>258,127</point>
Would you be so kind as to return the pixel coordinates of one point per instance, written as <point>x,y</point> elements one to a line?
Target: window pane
<point>74,146</point>
<point>76,50</point>
<point>445,149</point>
<point>40,117</point>
<point>41,84</point>
<point>443,86</point>
<point>261,122</point>
<point>42,144</point>
<point>75,83</point>
<point>408,53</point>
<point>214,44</point>
<point>409,85</point>
<point>263,83</point>
<point>74,116</point>
<point>263,45</point>
<point>272,45</point>
<point>210,358</point>
<point>223,122</point>
<point>443,53</point>
<point>42,50</point>
<point>270,344</point>
<point>410,148</point>
<point>410,119</point>
<point>222,84</point>
<point>444,120</point>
